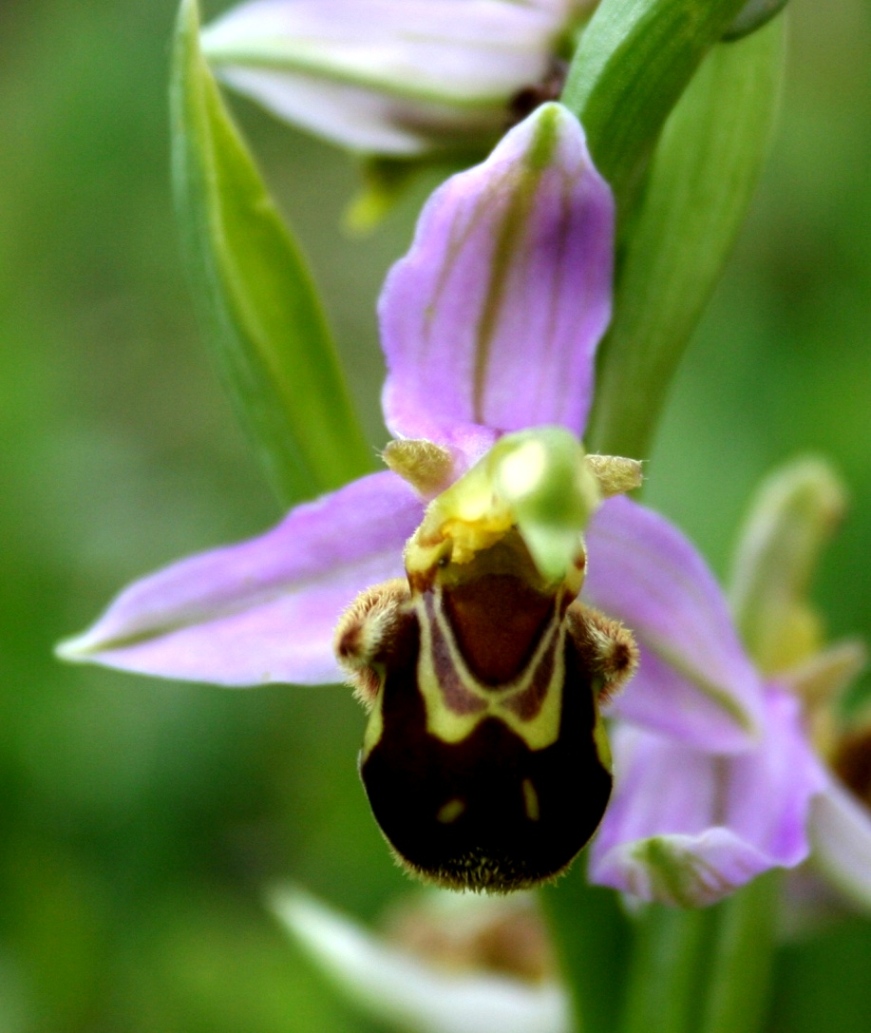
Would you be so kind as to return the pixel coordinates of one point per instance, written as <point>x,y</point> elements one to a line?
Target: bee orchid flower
<point>453,576</point>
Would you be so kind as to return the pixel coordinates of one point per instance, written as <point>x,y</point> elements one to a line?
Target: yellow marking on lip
<point>451,727</point>
<point>530,800</point>
<point>374,729</point>
<point>450,811</point>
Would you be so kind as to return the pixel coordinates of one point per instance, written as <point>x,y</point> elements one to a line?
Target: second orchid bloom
<point>393,78</point>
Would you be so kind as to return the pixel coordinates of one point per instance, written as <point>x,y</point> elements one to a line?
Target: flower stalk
<point>704,971</point>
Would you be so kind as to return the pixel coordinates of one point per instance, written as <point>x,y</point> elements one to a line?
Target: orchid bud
<point>393,77</point>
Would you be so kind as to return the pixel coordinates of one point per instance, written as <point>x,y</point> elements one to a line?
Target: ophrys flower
<point>489,325</point>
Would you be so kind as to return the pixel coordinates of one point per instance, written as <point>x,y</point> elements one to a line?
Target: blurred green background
<point>140,820</point>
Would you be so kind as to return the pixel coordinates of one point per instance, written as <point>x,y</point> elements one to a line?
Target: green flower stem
<point>704,971</point>
<point>691,971</point>
<point>593,935</point>
<point>665,972</point>
<point>738,982</point>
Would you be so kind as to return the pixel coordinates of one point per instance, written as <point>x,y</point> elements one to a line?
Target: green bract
<point>634,61</point>
<point>256,298</point>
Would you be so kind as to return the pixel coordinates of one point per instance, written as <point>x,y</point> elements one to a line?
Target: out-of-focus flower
<point>394,77</point>
<point>406,77</point>
<point>446,963</point>
<point>795,513</point>
<point>666,838</point>
<point>489,326</point>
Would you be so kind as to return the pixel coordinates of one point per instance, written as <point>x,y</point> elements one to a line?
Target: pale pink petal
<point>263,610</point>
<point>394,986</point>
<point>388,77</point>
<point>687,827</point>
<point>358,119</point>
<point>840,831</point>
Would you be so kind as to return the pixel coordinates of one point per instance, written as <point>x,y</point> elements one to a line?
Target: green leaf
<point>634,60</point>
<point>700,184</point>
<point>256,298</point>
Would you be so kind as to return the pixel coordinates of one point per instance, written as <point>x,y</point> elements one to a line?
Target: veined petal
<point>411,75</point>
<point>840,833</point>
<point>494,315</point>
<point>695,682</point>
<point>263,610</point>
<point>687,827</point>
<point>393,985</point>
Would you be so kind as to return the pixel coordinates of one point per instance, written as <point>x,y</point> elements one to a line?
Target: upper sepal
<point>494,315</point>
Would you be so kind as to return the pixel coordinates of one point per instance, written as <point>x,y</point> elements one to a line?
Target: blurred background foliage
<point>141,820</point>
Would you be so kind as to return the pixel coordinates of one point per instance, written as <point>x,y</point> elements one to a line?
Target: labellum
<point>485,759</point>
